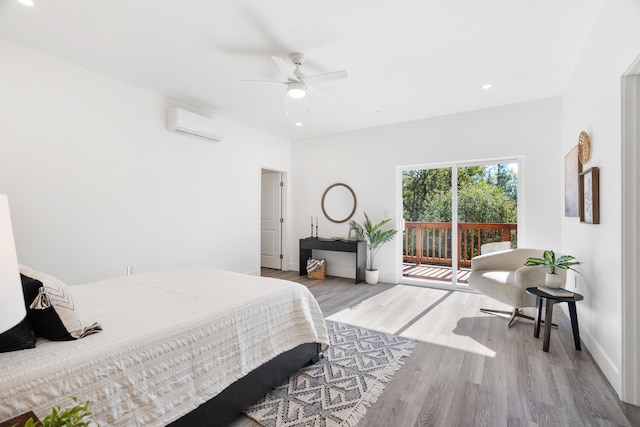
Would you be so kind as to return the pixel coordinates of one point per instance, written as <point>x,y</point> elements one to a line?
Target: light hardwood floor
<point>468,368</point>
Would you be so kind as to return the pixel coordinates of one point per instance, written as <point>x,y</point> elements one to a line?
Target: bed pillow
<point>51,310</point>
<point>19,337</point>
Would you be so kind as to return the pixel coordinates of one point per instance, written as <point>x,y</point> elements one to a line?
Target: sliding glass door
<point>438,245</point>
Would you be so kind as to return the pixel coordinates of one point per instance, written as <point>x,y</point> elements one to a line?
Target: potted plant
<point>550,261</point>
<point>76,416</point>
<point>375,237</point>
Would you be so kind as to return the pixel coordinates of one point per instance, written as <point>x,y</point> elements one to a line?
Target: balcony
<point>427,252</point>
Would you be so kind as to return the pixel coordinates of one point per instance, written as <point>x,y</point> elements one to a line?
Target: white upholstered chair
<point>504,277</point>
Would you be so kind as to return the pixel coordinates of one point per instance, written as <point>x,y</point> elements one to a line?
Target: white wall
<point>367,160</point>
<point>592,103</point>
<point>96,182</point>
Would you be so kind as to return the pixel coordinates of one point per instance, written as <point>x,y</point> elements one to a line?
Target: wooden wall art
<point>590,196</point>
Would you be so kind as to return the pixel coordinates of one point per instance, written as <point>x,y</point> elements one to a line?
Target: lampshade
<point>12,309</point>
<point>296,90</point>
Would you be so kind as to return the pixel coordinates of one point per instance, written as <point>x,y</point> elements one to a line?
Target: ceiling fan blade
<point>326,77</point>
<point>285,69</point>
<point>265,81</point>
<point>313,90</point>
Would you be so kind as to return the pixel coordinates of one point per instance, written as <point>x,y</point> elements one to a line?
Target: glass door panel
<point>428,232</point>
<point>487,210</point>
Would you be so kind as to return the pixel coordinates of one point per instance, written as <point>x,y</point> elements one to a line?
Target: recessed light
<point>298,124</point>
<point>487,86</point>
<point>26,2</point>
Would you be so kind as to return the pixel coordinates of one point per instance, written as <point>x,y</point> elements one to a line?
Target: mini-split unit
<point>188,123</point>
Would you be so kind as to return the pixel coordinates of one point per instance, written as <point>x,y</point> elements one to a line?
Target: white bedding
<point>171,341</point>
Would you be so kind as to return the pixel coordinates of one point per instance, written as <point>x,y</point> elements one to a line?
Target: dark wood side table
<point>359,247</point>
<point>19,420</point>
<point>550,300</point>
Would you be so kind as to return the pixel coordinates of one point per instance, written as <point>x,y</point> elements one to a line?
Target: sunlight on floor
<point>434,316</point>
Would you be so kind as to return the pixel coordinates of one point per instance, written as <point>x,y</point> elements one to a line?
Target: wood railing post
<point>419,245</point>
<point>460,239</point>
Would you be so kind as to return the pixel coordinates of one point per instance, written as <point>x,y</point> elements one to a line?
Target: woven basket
<point>316,269</point>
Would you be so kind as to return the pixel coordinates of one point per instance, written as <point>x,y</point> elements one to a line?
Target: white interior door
<point>271,220</point>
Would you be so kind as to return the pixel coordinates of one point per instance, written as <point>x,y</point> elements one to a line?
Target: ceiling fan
<point>297,82</point>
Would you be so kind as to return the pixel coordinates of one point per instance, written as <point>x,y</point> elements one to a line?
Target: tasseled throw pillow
<point>51,310</point>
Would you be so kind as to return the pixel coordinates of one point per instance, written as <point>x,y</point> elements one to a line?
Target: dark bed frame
<point>229,404</point>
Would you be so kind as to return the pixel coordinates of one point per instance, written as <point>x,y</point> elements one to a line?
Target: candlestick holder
<point>316,231</point>
<point>311,237</point>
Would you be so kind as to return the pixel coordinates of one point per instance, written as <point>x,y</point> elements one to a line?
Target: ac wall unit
<point>188,123</point>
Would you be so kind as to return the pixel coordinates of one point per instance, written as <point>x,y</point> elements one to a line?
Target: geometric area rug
<point>338,389</point>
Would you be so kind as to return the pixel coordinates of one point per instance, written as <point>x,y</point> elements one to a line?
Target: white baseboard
<point>606,365</point>
<point>604,362</point>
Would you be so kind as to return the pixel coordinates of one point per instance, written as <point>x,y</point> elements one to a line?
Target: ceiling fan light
<point>296,90</point>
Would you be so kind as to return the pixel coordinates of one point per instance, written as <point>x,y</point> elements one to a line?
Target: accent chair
<point>504,277</point>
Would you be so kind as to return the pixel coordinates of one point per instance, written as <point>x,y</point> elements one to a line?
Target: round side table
<point>550,300</point>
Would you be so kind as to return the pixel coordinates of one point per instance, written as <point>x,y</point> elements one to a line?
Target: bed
<point>181,347</point>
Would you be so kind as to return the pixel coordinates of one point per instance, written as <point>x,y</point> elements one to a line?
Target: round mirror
<point>339,203</point>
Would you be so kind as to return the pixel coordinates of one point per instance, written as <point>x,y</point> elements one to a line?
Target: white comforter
<point>171,340</point>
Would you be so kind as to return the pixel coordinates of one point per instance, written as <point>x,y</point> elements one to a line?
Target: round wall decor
<point>584,147</point>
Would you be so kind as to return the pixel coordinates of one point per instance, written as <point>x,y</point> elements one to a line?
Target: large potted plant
<point>375,237</point>
<point>552,263</point>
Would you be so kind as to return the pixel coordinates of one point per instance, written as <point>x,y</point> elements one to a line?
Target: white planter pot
<point>371,276</point>
<point>553,280</point>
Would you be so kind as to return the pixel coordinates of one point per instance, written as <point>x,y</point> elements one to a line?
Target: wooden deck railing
<point>430,242</point>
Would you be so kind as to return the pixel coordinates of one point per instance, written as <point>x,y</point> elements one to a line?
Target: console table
<point>359,247</point>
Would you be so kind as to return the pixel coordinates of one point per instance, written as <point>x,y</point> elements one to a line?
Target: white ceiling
<point>406,59</point>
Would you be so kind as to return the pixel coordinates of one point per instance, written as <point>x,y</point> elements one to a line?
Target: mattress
<point>171,341</point>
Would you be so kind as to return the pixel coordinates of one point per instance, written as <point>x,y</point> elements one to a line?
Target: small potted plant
<point>550,261</point>
<point>75,416</point>
<point>375,237</point>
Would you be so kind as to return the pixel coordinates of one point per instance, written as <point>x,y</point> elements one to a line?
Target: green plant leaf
<point>549,261</point>
<point>75,416</point>
<point>374,235</point>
